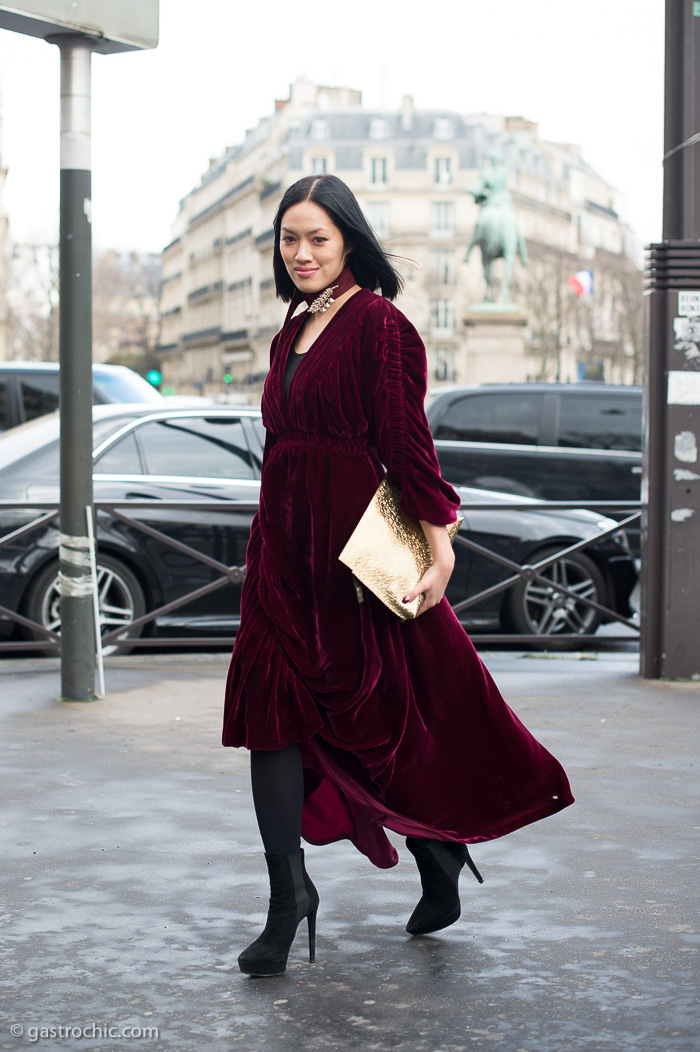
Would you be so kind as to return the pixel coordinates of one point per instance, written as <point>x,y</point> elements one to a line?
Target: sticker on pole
<point>687,333</point>
<point>683,388</point>
<point>689,304</point>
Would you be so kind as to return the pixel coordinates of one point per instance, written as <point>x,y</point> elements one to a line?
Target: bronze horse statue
<point>496,231</point>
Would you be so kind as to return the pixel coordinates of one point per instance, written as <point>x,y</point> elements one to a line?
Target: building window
<point>444,129</point>
<point>445,364</point>
<point>443,171</point>
<point>442,266</point>
<point>318,166</point>
<point>378,171</point>
<point>319,129</point>
<point>442,219</point>
<point>378,128</point>
<point>378,217</point>
<point>443,316</point>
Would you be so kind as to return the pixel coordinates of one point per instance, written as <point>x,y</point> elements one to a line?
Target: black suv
<point>30,389</point>
<point>551,441</point>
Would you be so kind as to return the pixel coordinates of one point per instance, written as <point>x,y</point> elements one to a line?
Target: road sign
<point>126,25</point>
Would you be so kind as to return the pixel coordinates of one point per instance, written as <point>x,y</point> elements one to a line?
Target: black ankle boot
<point>292,897</point>
<point>439,863</point>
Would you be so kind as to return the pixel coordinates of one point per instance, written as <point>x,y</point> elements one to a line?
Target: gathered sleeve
<point>401,433</point>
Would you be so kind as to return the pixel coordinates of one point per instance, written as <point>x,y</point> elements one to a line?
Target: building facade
<point>411,171</point>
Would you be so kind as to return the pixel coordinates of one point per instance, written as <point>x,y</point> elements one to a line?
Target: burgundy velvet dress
<point>399,723</point>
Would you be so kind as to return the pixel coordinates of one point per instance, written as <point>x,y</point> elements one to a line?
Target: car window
<point>599,421</point>
<point>39,394</point>
<point>4,407</point>
<point>124,387</point>
<point>493,417</point>
<point>200,447</point>
<point>120,459</point>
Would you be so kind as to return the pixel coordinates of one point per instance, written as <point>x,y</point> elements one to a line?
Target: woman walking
<point>358,721</point>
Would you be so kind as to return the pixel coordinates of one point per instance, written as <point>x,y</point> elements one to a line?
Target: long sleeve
<point>402,436</point>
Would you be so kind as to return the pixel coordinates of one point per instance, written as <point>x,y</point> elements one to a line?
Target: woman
<point>357,720</point>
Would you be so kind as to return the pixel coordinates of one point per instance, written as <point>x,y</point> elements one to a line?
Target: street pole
<point>75,356</point>
<point>670,585</point>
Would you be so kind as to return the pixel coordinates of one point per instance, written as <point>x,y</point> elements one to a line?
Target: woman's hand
<point>434,581</point>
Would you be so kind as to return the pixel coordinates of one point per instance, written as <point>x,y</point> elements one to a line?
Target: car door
<point>599,440</point>
<point>489,440</point>
<point>187,457</point>
<point>597,456</point>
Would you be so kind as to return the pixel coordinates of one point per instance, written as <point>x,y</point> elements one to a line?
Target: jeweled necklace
<point>323,301</point>
<point>320,302</point>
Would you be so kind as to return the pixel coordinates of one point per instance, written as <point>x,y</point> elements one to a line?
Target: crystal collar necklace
<point>321,301</point>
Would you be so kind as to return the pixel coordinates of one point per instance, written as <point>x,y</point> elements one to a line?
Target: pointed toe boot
<point>293,897</point>
<point>440,863</point>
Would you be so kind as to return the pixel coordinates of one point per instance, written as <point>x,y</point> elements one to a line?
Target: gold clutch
<point>388,551</point>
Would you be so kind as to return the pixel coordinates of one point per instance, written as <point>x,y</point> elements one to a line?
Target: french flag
<point>582,282</point>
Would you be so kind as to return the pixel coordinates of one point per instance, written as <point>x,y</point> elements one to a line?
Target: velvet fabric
<point>399,723</point>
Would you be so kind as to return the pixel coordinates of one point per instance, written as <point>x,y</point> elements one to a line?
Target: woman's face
<point>312,247</point>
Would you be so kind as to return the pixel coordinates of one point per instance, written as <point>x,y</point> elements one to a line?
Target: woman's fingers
<point>432,585</point>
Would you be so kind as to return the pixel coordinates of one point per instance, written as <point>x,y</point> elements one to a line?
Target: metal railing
<point>234,573</point>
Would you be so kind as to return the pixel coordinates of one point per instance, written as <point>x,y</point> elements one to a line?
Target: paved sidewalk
<point>134,877</point>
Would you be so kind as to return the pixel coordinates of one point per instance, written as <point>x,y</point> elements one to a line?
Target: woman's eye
<point>320,240</point>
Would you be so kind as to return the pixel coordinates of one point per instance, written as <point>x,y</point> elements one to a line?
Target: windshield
<point>121,385</point>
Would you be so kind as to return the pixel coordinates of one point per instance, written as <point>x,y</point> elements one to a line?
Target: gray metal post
<point>671,470</point>
<point>75,355</point>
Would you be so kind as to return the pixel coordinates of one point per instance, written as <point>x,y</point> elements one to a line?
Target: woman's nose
<point>303,251</point>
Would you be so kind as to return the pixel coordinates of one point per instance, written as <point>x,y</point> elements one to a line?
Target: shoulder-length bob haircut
<point>369,263</point>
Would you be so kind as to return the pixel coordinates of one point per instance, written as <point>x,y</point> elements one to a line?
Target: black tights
<point>277,778</point>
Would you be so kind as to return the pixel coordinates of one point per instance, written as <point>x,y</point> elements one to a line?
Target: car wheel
<point>121,601</point>
<point>537,609</point>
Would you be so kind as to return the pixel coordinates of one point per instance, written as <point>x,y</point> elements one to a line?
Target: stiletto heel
<point>472,865</point>
<point>439,863</point>
<point>292,897</point>
<point>311,921</point>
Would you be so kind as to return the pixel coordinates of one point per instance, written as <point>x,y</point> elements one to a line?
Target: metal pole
<point>670,624</point>
<point>75,356</point>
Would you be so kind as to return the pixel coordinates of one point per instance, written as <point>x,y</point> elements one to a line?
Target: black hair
<point>370,264</point>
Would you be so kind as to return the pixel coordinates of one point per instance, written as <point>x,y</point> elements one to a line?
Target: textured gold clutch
<point>388,551</point>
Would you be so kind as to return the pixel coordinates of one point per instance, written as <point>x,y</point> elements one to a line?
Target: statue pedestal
<point>495,345</point>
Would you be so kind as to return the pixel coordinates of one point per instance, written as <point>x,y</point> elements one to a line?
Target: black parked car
<point>30,389</point>
<point>550,441</point>
<point>215,455</point>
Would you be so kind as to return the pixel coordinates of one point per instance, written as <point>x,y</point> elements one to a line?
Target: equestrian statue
<point>496,231</point>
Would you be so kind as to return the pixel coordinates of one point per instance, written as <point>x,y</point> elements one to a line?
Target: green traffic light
<point>227,378</point>
<point>154,377</point>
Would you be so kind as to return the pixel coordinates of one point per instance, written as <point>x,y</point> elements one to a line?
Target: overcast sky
<point>589,73</point>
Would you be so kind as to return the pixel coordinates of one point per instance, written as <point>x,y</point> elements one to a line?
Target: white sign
<point>689,304</point>
<point>683,388</point>
<point>117,25</point>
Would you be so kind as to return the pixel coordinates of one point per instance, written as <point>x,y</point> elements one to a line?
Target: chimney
<point>407,113</point>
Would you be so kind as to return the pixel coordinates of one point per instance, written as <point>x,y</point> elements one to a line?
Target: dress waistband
<point>313,438</point>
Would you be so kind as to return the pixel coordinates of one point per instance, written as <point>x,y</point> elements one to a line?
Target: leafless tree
<point>125,298</point>
<point>32,302</point>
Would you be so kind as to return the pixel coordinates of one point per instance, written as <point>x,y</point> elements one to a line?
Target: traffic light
<point>227,378</point>
<point>154,377</point>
